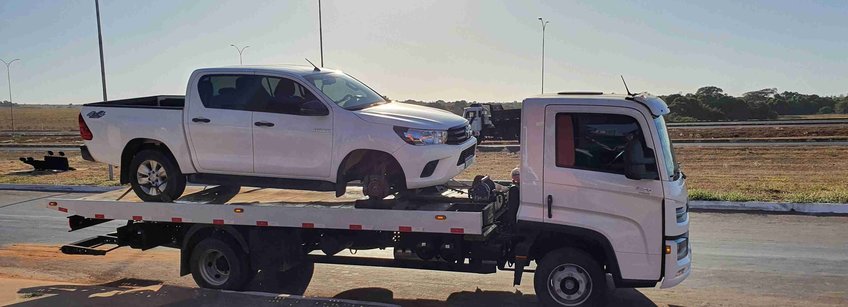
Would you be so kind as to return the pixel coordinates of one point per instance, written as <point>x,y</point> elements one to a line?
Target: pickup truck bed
<point>160,102</point>
<point>448,213</point>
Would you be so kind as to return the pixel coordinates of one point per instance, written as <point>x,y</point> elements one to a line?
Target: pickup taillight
<point>85,133</point>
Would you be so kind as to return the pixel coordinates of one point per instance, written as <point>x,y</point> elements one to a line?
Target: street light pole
<point>102,68</point>
<point>320,33</point>
<point>239,51</point>
<point>544,25</point>
<point>9,78</point>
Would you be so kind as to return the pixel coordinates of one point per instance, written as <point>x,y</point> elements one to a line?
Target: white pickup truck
<point>286,127</point>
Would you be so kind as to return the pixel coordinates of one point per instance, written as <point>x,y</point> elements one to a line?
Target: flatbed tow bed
<point>435,217</point>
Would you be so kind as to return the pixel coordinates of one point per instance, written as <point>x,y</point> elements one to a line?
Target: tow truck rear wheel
<point>296,280</point>
<point>218,263</point>
<point>569,277</point>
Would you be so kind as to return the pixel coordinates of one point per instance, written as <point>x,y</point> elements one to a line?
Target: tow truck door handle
<point>550,206</point>
<point>200,120</point>
<point>263,124</point>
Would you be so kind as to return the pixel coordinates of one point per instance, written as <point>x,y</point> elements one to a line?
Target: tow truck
<point>600,197</point>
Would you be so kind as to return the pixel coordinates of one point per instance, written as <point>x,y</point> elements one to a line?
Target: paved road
<point>739,259</point>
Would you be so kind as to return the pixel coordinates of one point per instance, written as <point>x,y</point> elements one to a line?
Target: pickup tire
<point>155,177</point>
<point>219,263</point>
<point>569,277</point>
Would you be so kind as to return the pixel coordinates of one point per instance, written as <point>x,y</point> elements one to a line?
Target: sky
<point>430,50</point>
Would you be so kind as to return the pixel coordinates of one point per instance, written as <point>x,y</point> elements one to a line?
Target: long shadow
<point>146,293</point>
<point>617,297</point>
<point>142,292</point>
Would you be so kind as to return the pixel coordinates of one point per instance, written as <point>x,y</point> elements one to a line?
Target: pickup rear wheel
<point>155,177</point>
<point>569,277</point>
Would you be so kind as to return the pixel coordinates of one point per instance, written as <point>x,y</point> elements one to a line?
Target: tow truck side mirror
<point>635,162</point>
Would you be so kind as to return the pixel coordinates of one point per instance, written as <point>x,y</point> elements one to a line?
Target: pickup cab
<point>284,126</point>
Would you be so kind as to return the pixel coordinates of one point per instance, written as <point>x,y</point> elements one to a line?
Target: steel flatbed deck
<point>450,212</point>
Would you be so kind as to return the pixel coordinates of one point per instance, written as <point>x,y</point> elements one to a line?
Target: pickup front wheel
<point>155,177</point>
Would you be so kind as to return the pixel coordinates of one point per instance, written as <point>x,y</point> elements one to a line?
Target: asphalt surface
<point>739,260</point>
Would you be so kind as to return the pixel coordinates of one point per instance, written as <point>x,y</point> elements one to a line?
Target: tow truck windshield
<point>668,152</point>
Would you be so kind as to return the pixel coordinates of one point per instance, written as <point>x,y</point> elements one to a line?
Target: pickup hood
<point>410,115</point>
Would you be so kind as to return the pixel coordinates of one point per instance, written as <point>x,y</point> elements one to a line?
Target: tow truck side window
<point>595,142</point>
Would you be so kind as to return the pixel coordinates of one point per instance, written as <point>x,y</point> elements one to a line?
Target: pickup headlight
<point>422,137</point>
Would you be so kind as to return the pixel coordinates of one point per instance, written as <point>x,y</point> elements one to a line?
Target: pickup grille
<point>465,154</point>
<point>459,134</point>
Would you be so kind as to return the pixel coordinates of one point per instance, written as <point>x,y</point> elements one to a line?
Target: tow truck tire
<point>151,169</point>
<point>218,263</point>
<point>296,280</point>
<point>569,277</point>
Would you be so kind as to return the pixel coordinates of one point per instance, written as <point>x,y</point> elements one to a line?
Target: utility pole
<point>102,67</point>
<point>320,33</point>
<point>239,51</point>
<point>9,78</point>
<point>544,25</point>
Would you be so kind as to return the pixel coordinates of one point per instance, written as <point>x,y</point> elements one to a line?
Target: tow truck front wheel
<point>569,277</point>
<point>219,264</point>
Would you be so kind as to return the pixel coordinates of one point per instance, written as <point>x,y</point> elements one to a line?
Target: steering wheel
<point>345,99</point>
<point>618,156</point>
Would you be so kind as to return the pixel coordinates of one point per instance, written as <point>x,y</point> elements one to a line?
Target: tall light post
<point>102,69</point>
<point>320,33</point>
<point>239,51</point>
<point>9,78</point>
<point>544,25</point>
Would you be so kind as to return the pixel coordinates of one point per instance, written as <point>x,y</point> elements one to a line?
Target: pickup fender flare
<point>189,240</point>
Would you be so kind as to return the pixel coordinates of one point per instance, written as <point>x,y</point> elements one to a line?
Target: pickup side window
<point>286,96</point>
<point>595,142</point>
<point>232,92</point>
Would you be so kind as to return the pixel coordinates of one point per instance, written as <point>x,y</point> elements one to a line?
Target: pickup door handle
<point>550,206</point>
<point>263,124</point>
<point>200,120</point>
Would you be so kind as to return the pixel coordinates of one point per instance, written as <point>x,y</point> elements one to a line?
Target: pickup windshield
<point>345,91</point>
<point>668,152</point>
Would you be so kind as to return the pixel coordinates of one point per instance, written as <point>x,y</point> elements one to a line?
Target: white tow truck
<point>600,197</point>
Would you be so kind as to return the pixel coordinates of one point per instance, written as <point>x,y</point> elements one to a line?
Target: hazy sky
<point>429,50</point>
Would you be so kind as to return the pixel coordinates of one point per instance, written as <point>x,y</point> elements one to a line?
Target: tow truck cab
<point>603,165</point>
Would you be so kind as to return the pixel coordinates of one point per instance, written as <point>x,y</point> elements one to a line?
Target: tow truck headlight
<point>422,137</point>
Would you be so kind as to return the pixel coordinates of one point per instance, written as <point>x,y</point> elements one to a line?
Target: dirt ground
<point>14,171</point>
<point>40,118</point>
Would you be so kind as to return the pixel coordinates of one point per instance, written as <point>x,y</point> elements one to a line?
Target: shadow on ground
<point>139,292</point>
<point>618,297</point>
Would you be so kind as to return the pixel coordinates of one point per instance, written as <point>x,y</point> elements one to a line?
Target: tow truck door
<point>585,186</point>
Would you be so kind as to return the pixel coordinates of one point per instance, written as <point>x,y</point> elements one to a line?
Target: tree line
<point>710,103</point>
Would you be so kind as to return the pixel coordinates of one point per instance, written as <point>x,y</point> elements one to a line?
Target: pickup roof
<point>285,127</point>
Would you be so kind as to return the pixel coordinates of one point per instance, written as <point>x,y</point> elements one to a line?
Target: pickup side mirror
<point>636,162</point>
<point>313,108</point>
